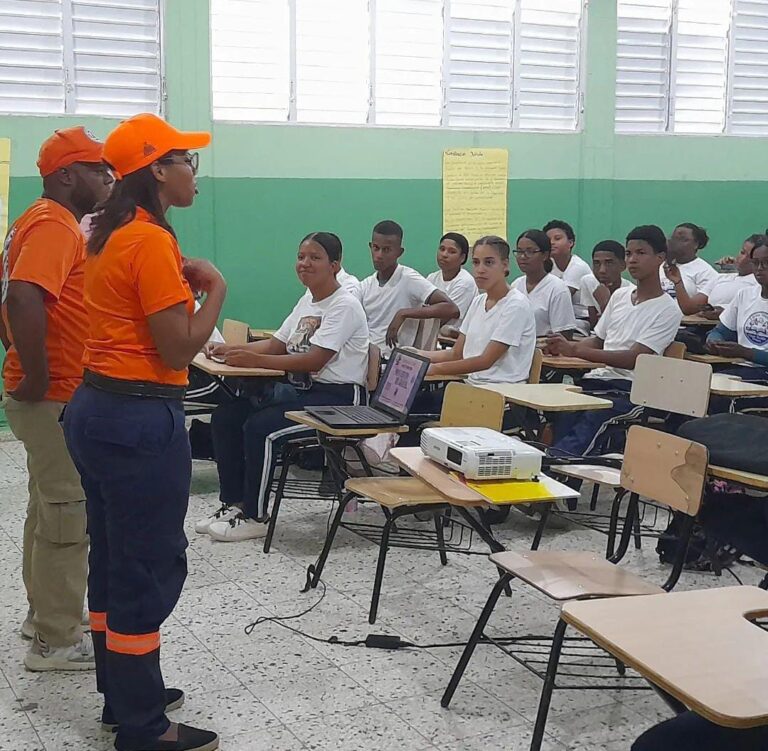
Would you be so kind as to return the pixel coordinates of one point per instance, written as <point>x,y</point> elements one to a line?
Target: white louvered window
<point>85,57</point>
<point>692,66</point>
<point>399,62</point>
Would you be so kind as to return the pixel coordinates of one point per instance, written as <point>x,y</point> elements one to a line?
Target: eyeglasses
<point>526,253</point>
<point>192,160</point>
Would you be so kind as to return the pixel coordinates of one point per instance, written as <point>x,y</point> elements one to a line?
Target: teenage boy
<point>396,293</point>
<point>608,265</point>
<point>635,322</point>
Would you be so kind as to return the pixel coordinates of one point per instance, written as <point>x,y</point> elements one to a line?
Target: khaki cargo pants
<point>55,540</point>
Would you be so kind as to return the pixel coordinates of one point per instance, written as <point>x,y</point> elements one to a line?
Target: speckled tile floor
<point>281,691</point>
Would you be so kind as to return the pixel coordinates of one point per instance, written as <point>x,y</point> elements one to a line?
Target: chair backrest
<point>234,332</point>
<point>671,385</point>
<point>427,333</point>
<point>466,406</point>
<point>665,468</point>
<point>675,350</point>
<point>534,374</point>
<point>374,367</point>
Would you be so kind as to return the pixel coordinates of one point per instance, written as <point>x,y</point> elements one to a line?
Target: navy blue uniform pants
<point>689,732</point>
<point>133,457</point>
<point>248,432</point>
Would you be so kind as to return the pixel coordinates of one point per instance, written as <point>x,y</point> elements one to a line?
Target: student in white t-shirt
<point>549,296</point>
<point>348,282</point>
<point>722,288</point>
<point>498,334</point>
<point>608,265</point>
<point>323,348</point>
<point>685,275</point>
<point>568,266</point>
<point>635,322</point>
<point>452,278</point>
<point>395,293</point>
<point>743,328</point>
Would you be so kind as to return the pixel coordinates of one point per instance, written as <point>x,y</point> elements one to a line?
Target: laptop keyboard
<point>363,414</point>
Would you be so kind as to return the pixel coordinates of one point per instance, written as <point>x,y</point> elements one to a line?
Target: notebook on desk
<point>391,401</point>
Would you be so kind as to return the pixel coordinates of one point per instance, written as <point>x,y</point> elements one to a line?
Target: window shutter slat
<point>749,76</point>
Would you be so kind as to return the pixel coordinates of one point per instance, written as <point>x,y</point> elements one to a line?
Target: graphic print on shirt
<point>298,343</point>
<point>756,328</point>
<point>6,264</point>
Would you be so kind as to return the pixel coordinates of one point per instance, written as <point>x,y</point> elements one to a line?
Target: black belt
<point>133,388</point>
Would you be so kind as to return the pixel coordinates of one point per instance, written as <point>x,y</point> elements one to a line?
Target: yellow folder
<point>509,491</point>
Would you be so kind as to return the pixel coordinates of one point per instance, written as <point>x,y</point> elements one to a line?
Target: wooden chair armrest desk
<point>699,647</point>
<point>733,386</point>
<point>220,370</point>
<point>699,321</point>
<point>304,418</point>
<point>714,359</point>
<point>548,397</point>
<point>554,362</point>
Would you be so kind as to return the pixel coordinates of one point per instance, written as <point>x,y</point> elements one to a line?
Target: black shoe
<point>190,739</point>
<point>174,698</point>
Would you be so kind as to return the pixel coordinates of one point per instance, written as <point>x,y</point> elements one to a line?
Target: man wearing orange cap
<point>45,328</point>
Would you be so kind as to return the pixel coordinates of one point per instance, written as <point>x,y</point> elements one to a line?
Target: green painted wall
<point>263,187</point>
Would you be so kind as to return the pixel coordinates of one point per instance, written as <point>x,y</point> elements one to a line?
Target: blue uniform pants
<point>133,457</point>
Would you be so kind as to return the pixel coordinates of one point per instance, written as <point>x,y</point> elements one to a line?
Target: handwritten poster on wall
<point>5,184</point>
<point>475,192</point>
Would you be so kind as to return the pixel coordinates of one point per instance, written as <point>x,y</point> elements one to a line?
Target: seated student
<point>498,334</point>
<point>323,347</point>
<point>568,266</point>
<point>714,297</point>
<point>453,279</point>
<point>743,328</point>
<point>685,275</point>
<point>690,732</point>
<point>396,293</point>
<point>608,265</point>
<point>548,295</point>
<point>635,322</point>
<point>348,282</point>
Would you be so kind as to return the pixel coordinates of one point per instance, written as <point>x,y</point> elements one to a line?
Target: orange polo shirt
<point>46,247</point>
<point>136,274</point>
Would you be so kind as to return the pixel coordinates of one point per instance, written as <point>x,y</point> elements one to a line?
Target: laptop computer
<point>391,401</point>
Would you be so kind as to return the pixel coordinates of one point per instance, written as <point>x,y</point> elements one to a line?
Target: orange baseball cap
<point>66,147</point>
<point>142,139</point>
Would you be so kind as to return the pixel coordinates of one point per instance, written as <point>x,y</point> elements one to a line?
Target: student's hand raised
<point>202,275</point>
<point>672,272</point>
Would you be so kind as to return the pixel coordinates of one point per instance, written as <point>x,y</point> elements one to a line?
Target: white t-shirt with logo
<point>652,323</point>
<point>551,303</point>
<point>336,323</point>
<point>696,275</point>
<point>588,286</point>
<point>406,288</point>
<point>747,315</point>
<point>460,290</point>
<point>723,289</point>
<point>575,271</point>
<point>511,322</point>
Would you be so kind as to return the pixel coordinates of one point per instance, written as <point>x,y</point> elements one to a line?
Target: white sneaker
<point>28,628</point>
<point>236,529</point>
<point>224,514</point>
<point>42,657</point>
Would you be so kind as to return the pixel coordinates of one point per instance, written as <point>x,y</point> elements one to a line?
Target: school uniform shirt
<point>406,288</point>
<point>747,315</point>
<point>575,271</point>
<point>723,289</point>
<point>551,303</point>
<point>588,286</point>
<point>347,282</point>
<point>45,247</point>
<point>461,290</point>
<point>336,323</point>
<point>652,323</point>
<point>137,273</point>
<point>511,322</point>
<point>696,275</point>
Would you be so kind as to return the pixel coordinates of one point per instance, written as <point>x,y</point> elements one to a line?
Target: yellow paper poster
<point>475,192</point>
<point>5,183</point>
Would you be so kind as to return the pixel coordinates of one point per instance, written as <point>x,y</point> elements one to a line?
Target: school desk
<point>220,370</point>
<point>733,386</point>
<point>257,335</point>
<point>558,362</point>
<point>714,359</point>
<point>548,397</point>
<point>699,321</point>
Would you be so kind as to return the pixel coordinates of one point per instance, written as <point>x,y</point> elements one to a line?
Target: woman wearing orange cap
<point>125,424</point>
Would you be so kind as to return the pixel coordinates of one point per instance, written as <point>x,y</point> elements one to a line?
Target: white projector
<point>482,453</point>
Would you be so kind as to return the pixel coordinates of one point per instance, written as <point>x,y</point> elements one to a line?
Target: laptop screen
<point>400,383</point>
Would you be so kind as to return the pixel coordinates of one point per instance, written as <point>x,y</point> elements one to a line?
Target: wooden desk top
<point>436,378</point>
<point>569,363</point>
<point>413,461</point>
<point>259,334</point>
<point>724,385</point>
<point>219,369</point>
<point>304,418</point>
<point>446,341</point>
<point>696,645</point>
<point>548,397</point>
<point>699,321</point>
<point>714,359</point>
<point>738,476</point>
